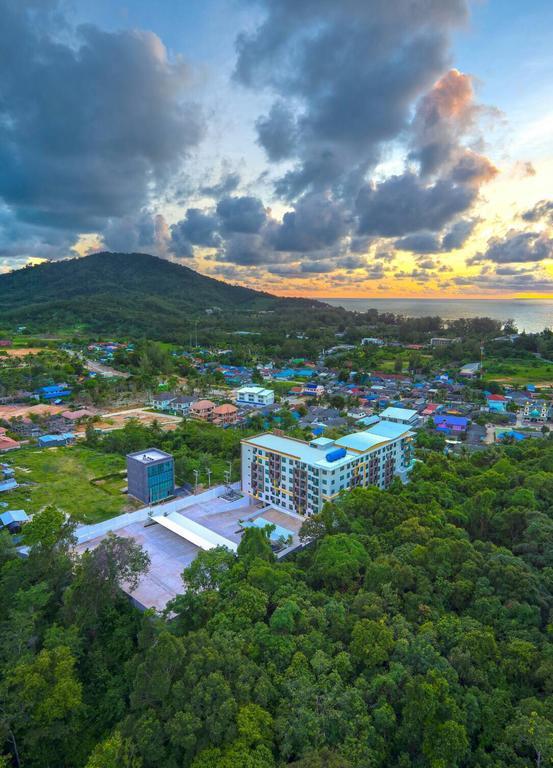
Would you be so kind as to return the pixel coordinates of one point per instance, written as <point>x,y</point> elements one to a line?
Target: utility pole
<point>481,360</point>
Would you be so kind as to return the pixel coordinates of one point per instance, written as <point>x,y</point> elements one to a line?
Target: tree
<point>534,732</point>
<point>338,561</point>
<point>256,543</point>
<point>114,752</point>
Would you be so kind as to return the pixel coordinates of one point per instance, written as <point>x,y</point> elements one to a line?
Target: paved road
<point>99,368</point>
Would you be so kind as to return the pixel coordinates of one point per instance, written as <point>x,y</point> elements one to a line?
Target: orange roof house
<point>225,414</point>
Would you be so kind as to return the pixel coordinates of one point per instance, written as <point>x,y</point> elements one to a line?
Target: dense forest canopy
<point>415,630</point>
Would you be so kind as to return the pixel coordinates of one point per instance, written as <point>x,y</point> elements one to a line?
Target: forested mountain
<point>415,632</point>
<point>123,292</point>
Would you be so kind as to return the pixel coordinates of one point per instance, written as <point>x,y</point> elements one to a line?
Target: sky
<point>361,148</point>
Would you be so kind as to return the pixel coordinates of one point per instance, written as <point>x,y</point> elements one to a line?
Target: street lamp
<point>208,471</point>
<point>196,473</point>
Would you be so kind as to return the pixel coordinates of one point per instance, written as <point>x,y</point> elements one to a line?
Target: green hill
<point>132,293</point>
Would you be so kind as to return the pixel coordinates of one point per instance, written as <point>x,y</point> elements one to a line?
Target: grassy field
<point>519,371</point>
<point>68,478</point>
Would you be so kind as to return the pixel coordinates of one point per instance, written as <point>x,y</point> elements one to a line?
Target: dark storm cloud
<point>241,214</point>
<point>87,129</point>
<point>277,132</point>
<point>423,242</point>
<point>229,183</point>
<point>516,248</point>
<point>458,234</point>
<point>430,242</point>
<point>403,205</point>
<point>197,228</point>
<point>317,222</point>
<point>247,250</point>
<point>540,212</point>
<point>354,68</point>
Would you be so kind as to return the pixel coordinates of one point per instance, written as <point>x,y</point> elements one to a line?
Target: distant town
<point>187,456</point>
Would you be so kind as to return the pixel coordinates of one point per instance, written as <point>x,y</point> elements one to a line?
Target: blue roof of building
<point>368,421</point>
<point>388,429</point>
<point>8,485</point>
<point>451,421</point>
<point>14,516</point>
<point>512,433</point>
<point>56,438</point>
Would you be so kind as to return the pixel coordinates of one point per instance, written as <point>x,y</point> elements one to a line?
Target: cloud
<point>196,228</point>
<point>473,169</point>
<point>317,222</point>
<point>352,68</point>
<point>277,132</point>
<point>442,117</point>
<point>543,210</point>
<point>404,204</point>
<point>516,248</point>
<point>227,184</point>
<point>423,242</point>
<point>241,214</point>
<point>506,280</point>
<point>91,124</point>
<point>144,232</point>
<point>458,234</point>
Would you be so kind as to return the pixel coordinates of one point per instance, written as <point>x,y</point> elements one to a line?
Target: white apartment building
<point>254,396</point>
<point>296,476</point>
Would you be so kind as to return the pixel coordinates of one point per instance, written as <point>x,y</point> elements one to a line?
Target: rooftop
<point>254,391</point>
<point>151,454</point>
<point>398,413</point>
<point>357,442</point>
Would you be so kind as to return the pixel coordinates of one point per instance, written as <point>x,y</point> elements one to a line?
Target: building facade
<point>296,476</point>
<point>202,409</point>
<point>225,415</point>
<point>150,475</point>
<point>537,411</point>
<point>255,396</point>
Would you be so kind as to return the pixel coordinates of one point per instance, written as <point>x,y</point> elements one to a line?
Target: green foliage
<point>414,630</point>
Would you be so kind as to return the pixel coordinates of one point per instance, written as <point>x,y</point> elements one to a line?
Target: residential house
<point>182,404</point>
<point>442,341</point>
<point>52,392</point>
<point>254,396</point>
<point>447,423</point>
<point>55,441</point>
<point>13,519</point>
<point>162,401</point>
<point>73,417</point>
<point>225,415</point>
<point>202,409</point>
<point>314,390</point>
<point>470,370</point>
<point>497,403</point>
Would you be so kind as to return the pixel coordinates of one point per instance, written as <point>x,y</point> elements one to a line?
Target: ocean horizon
<point>530,315</point>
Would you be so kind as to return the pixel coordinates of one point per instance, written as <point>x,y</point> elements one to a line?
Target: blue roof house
<point>53,392</point>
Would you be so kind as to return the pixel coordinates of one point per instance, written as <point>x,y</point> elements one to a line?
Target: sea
<point>530,315</point>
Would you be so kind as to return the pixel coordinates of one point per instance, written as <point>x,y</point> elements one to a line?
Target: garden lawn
<point>68,479</point>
